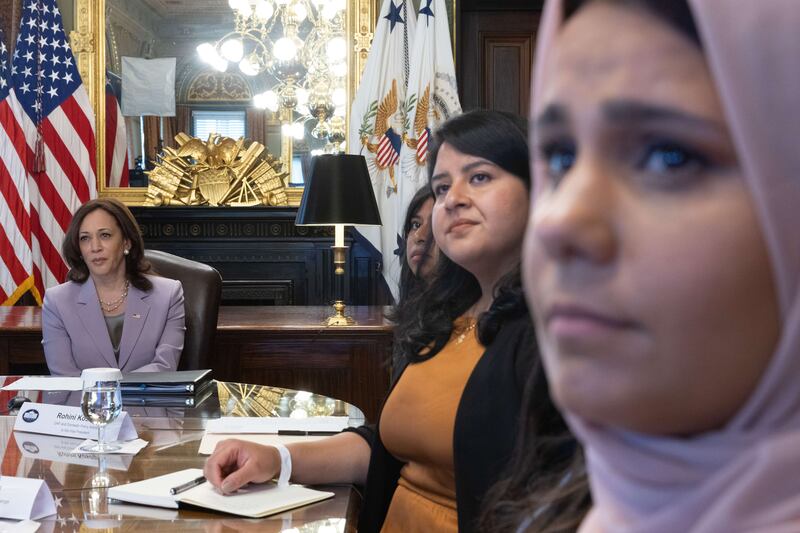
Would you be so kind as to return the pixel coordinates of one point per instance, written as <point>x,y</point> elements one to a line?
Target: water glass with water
<point>101,403</point>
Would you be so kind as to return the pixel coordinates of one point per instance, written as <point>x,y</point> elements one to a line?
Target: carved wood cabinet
<point>264,259</point>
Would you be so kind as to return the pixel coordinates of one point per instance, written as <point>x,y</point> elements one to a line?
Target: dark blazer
<point>485,429</point>
<point>75,336</point>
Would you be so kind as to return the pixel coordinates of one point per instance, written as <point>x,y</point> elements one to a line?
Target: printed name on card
<point>67,421</point>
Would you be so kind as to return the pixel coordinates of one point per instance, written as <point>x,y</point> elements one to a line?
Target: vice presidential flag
<point>16,267</point>
<point>378,121</point>
<point>58,121</point>
<point>432,96</point>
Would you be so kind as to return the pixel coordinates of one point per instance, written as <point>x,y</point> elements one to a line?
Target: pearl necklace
<point>463,335</point>
<point>113,306</point>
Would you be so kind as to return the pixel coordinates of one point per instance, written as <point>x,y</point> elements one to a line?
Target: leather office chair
<point>202,291</point>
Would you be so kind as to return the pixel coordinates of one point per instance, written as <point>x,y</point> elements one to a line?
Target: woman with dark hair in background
<point>112,312</point>
<point>662,259</point>
<point>465,348</point>
<point>419,254</point>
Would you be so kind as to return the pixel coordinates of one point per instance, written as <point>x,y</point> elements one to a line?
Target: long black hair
<point>424,324</point>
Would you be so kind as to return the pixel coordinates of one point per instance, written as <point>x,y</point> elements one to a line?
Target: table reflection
<point>227,399</point>
<point>79,481</point>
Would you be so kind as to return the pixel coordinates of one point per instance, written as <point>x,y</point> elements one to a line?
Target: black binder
<point>179,383</point>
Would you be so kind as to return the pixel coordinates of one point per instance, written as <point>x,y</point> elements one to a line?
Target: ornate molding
<point>89,46</point>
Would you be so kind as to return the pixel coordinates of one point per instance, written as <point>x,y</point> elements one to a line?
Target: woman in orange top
<point>465,345</point>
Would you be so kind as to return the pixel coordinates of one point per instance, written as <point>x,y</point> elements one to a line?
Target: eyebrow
<point>89,232</point>
<point>625,112</point>
<point>466,168</point>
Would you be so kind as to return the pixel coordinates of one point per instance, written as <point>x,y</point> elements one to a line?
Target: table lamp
<point>339,193</point>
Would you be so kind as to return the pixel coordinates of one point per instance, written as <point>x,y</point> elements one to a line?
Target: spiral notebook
<point>252,501</point>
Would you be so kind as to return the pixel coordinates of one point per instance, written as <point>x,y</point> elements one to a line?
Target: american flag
<point>116,142</point>
<point>58,121</point>
<point>16,269</point>
<point>422,146</point>
<point>388,149</point>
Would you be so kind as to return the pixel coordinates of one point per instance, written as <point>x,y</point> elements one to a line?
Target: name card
<point>23,499</point>
<point>67,421</point>
<point>60,449</point>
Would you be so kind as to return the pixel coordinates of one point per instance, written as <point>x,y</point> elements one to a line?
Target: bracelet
<point>286,465</point>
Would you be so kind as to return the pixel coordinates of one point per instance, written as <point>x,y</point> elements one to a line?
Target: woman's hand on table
<point>236,463</point>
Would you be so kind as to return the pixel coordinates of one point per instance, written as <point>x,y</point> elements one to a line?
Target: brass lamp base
<point>339,318</point>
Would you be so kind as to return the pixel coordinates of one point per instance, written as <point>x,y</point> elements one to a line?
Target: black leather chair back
<point>202,291</point>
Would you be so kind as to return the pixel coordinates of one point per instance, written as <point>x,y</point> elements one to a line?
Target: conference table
<point>174,435</point>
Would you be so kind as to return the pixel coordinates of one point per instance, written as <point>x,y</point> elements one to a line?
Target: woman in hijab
<point>662,258</point>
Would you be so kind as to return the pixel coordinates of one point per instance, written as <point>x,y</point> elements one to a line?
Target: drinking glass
<point>101,404</point>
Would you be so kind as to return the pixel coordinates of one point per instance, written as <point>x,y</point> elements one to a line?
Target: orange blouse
<point>417,427</point>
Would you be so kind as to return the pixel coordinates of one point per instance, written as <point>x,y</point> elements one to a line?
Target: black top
<point>485,429</point>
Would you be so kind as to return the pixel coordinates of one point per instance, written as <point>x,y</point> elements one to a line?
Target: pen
<point>301,433</point>
<point>186,486</point>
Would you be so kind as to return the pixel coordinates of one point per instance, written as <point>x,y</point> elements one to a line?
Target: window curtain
<point>152,130</point>
<point>256,125</point>
<point>180,123</point>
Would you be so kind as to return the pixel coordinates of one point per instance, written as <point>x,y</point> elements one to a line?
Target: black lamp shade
<point>339,192</point>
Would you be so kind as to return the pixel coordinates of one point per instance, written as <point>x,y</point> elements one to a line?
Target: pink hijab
<point>745,477</point>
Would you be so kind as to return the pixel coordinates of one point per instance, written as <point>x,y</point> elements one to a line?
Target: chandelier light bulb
<point>339,5</point>
<point>248,66</point>
<point>206,52</point>
<point>232,50</point>
<point>240,6</point>
<point>300,12</point>
<point>328,11</point>
<point>264,10</point>
<point>340,111</point>
<point>286,130</point>
<point>298,131</point>
<point>260,101</point>
<point>285,49</point>
<point>336,49</point>
<point>271,100</point>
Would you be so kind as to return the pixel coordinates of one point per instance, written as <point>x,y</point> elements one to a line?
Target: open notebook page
<point>254,501</point>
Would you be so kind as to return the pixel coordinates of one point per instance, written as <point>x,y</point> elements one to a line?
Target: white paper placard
<point>59,449</point>
<point>26,526</point>
<point>69,421</point>
<point>22,498</point>
<point>273,424</point>
<point>48,383</point>
<point>210,440</point>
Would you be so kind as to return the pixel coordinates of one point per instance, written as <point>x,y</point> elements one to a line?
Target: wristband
<point>286,465</point>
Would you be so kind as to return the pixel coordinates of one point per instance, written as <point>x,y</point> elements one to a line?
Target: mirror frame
<point>89,47</point>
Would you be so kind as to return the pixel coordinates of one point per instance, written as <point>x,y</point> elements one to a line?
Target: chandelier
<point>300,50</point>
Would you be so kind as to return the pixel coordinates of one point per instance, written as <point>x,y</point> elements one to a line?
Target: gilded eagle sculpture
<point>219,171</point>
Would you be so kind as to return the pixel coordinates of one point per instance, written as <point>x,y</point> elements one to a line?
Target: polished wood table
<point>284,346</point>
<point>174,435</point>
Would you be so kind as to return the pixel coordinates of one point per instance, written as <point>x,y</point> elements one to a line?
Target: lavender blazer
<point>75,336</point>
